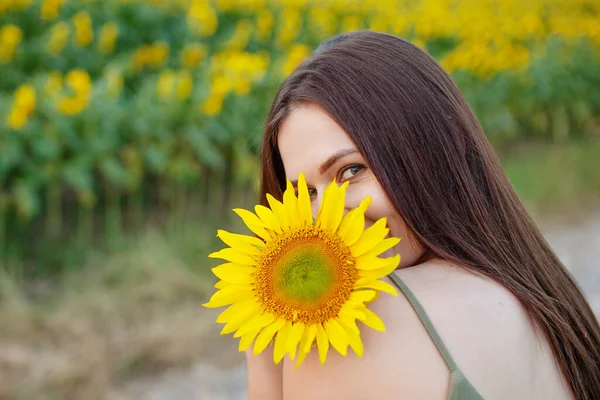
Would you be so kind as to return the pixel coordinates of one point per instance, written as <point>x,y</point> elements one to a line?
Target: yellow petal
<point>351,312</point>
<point>247,340</point>
<point>361,296</point>
<point>247,239</point>
<point>304,207</point>
<point>370,238</point>
<point>363,262</point>
<point>265,336</point>
<point>332,208</point>
<point>381,272</point>
<point>326,205</point>
<point>234,273</point>
<point>306,342</point>
<point>254,323</point>
<point>373,321</point>
<point>290,203</point>
<point>244,243</point>
<point>295,336</point>
<point>279,211</point>
<point>281,341</point>
<point>376,273</point>
<point>348,323</point>
<point>353,337</point>
<point>253,223</point>
<point>301,357</point>
<point>233,286</point>
<point>224,297</point>
<point>384,245</point>
<point>338,211</point>
<point>373,299</point>
<point>234,256</point>
<point>231,312</point>
<point>353,223</point>
<point>240,318</point>
<point>268,218</point>
<point>241,268</point>
<point>375,284</point>
<point>308,338</point>
<point>322,343</point>
<point>337,336</point>
<point>221,285</point>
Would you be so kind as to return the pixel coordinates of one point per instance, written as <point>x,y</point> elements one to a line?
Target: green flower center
<point>305,275</point>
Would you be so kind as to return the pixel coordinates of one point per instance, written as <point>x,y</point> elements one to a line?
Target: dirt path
<point>578,246</point>
<point>577,243</point>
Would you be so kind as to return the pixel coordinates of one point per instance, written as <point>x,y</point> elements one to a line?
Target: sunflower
<point>301,281</point>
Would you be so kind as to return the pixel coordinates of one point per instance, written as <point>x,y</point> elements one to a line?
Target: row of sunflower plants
<point>113,109</point>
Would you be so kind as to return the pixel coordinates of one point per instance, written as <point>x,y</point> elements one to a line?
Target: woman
<point>488,310</point>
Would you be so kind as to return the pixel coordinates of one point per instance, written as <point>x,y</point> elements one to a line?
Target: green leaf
<point>45,147</point>
<point>26,200</point>
<point>11,152</point>
<point>206,152</point>
<point>156,158</point>
<point>114,172</point>
<point>78,175</point>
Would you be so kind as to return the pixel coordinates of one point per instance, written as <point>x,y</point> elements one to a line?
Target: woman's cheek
<point>410,250</point>
<point>354,196</point>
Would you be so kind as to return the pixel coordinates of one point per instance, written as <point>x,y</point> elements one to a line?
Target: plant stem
<point>85,224</point>
<point>136,208</point>
<point>3,222</point>
<point>54,210</point>
<point>113,224</point>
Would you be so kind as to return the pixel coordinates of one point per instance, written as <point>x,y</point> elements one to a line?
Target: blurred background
<point>130,128</point>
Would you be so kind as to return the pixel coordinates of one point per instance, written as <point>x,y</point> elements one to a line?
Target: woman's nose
<point>316,203</point>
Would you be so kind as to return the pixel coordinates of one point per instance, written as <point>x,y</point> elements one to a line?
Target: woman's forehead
<point>308,137</point>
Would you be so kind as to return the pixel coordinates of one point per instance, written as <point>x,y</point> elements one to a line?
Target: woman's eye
<point>312,192</point>
<point>350,172</point>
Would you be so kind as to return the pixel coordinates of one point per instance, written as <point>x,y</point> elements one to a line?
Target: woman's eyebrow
<point>335,157</point>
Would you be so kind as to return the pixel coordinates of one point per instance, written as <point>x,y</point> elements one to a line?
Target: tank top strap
<point>433,334</point>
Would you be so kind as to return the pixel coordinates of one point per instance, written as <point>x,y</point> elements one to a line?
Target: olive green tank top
<point>460,387</point>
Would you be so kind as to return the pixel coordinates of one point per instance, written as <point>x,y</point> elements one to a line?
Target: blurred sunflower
<point>302,280</point>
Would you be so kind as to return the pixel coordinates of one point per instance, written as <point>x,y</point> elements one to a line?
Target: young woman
<point>487,311</point>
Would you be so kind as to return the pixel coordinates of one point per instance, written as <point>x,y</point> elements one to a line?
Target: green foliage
<point>556,179</point>
<point>118,130</point>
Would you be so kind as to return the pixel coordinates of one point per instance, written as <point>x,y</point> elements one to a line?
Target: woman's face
<point>311,142</point>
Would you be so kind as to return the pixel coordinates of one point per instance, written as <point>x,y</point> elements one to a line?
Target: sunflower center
<point>305,275</point>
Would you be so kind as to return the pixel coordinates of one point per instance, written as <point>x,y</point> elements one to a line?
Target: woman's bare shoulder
<point>483,325</point>
<point>476,317</point>
<point>401,362</point>
<point>454,293</point>
<point>487,331</point>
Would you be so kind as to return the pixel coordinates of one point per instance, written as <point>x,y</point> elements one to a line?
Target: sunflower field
<point>111,108</point>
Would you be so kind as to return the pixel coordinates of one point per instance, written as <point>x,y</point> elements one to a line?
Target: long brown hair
<point>431,156</point>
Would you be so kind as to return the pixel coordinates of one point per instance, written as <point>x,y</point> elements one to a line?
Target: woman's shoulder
<point>403,361</point>
<point>461,303</point>
<point>457,297</point>
<point>485,328</point>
